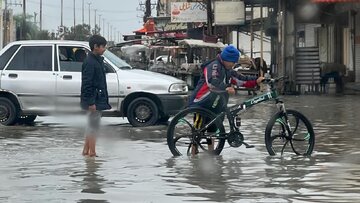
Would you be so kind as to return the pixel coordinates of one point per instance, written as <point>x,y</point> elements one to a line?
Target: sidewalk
<point>352,88</point>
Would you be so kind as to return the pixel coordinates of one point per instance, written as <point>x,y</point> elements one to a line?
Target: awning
<point>142,30</point>
<point>194,43</point>
<point>148,27</point>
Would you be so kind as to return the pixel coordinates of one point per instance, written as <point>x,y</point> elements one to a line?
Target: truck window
<point>32,58</point>
<point>71,58</point>
<point>6,56</point>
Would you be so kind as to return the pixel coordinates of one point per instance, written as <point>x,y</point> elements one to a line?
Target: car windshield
<point>116,60</point>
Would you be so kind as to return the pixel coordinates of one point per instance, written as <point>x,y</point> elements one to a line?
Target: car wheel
<point>8,112</point>
<point>142,112</point>
<point>27,119</point>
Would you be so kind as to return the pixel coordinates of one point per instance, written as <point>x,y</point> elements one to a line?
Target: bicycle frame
<point>232,111</point>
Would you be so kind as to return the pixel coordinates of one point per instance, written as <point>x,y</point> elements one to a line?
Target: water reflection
<point>92,181</point>
<point>201,178</point>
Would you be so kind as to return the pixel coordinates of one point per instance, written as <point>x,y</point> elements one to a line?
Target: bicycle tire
<point>172,139</point>
<point>300,121</point>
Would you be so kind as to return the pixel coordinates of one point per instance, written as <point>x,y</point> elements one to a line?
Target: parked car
<point>41,77</point>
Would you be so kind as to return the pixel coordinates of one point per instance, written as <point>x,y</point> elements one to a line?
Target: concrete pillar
<point>286,43</point>
<point>357,47</point>
<point>289,48</point>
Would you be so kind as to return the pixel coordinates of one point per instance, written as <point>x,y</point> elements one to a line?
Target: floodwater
<point>43,163</point>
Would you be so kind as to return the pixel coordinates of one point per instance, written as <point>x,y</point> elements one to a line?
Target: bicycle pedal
<point>247,145</point>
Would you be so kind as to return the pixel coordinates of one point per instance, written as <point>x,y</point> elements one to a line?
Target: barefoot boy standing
<point>94,94</point>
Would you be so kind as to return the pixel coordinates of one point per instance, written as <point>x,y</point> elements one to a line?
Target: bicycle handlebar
<point>273,80</point>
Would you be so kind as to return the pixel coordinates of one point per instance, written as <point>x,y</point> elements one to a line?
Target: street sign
<point>188,12</point>
<point>229,13</point>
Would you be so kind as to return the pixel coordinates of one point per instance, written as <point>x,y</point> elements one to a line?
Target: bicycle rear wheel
<point>277,136</point>
<point>184,136</point>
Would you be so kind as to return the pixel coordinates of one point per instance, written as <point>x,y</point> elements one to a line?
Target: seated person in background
<point>80,55</point>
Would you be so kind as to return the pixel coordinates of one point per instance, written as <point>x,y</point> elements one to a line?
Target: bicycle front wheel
<point>184,135</point>
<point>277,136</point>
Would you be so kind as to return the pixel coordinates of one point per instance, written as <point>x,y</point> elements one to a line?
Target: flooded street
<point>43,163</point>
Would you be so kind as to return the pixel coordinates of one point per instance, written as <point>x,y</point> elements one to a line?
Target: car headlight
<point>178,88</point>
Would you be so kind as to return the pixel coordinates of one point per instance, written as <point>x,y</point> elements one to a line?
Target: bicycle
<point>194,127</point>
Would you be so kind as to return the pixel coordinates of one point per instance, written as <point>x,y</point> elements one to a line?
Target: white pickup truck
<point>44,77</point>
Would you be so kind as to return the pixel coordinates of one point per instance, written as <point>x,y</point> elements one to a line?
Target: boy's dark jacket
<point>93,83</point>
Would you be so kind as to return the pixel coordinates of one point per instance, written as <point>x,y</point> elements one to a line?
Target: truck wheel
<point>8,112</point>
<point>26,119</point>
<point>142,112</point>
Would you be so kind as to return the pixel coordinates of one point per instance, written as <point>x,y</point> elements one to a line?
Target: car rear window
<point>32,58</point>
<point>5,57</point>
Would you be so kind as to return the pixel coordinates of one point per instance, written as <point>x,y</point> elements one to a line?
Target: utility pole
<point>114,36</point>
<point>89,15</point>
<point>147,10</point>
<point>103,27</point>
<point>5,24</point>
<point>6,19</point>
<point>108,31</point>
<point>261,41</point>
<point>111,33</point>
<point>146,7</point>
<point>99,24</point>
<point>22,34</point>
<point>95,22</point>
<point>252,33</point>
<point>40,15</point>
<point>74,17</point>
<point>209,16</point>
<point>83,22</point>
<point>62,13</point>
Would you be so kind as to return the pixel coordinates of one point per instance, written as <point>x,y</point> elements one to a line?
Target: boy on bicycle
<point>218,76</point>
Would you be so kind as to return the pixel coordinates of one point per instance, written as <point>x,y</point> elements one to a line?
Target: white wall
<point>310,35</point>
<point>245,44</point>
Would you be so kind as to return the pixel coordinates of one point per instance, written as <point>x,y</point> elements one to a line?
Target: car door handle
<point>13,75</point>
<point>67,77</point>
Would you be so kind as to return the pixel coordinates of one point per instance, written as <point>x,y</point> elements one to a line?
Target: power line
<point>122,20</point>
<point>40,3</point>
<point>80,9</point>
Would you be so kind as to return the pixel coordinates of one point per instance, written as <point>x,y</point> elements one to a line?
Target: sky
<point>123,15</point>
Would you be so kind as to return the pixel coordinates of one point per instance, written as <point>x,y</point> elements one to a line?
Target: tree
<point>43,35</point>
<point>29,31</point>
<point>96,30</point>
<point>80,33</point>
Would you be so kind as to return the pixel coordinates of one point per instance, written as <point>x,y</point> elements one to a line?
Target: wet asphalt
<point>43,162</point>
